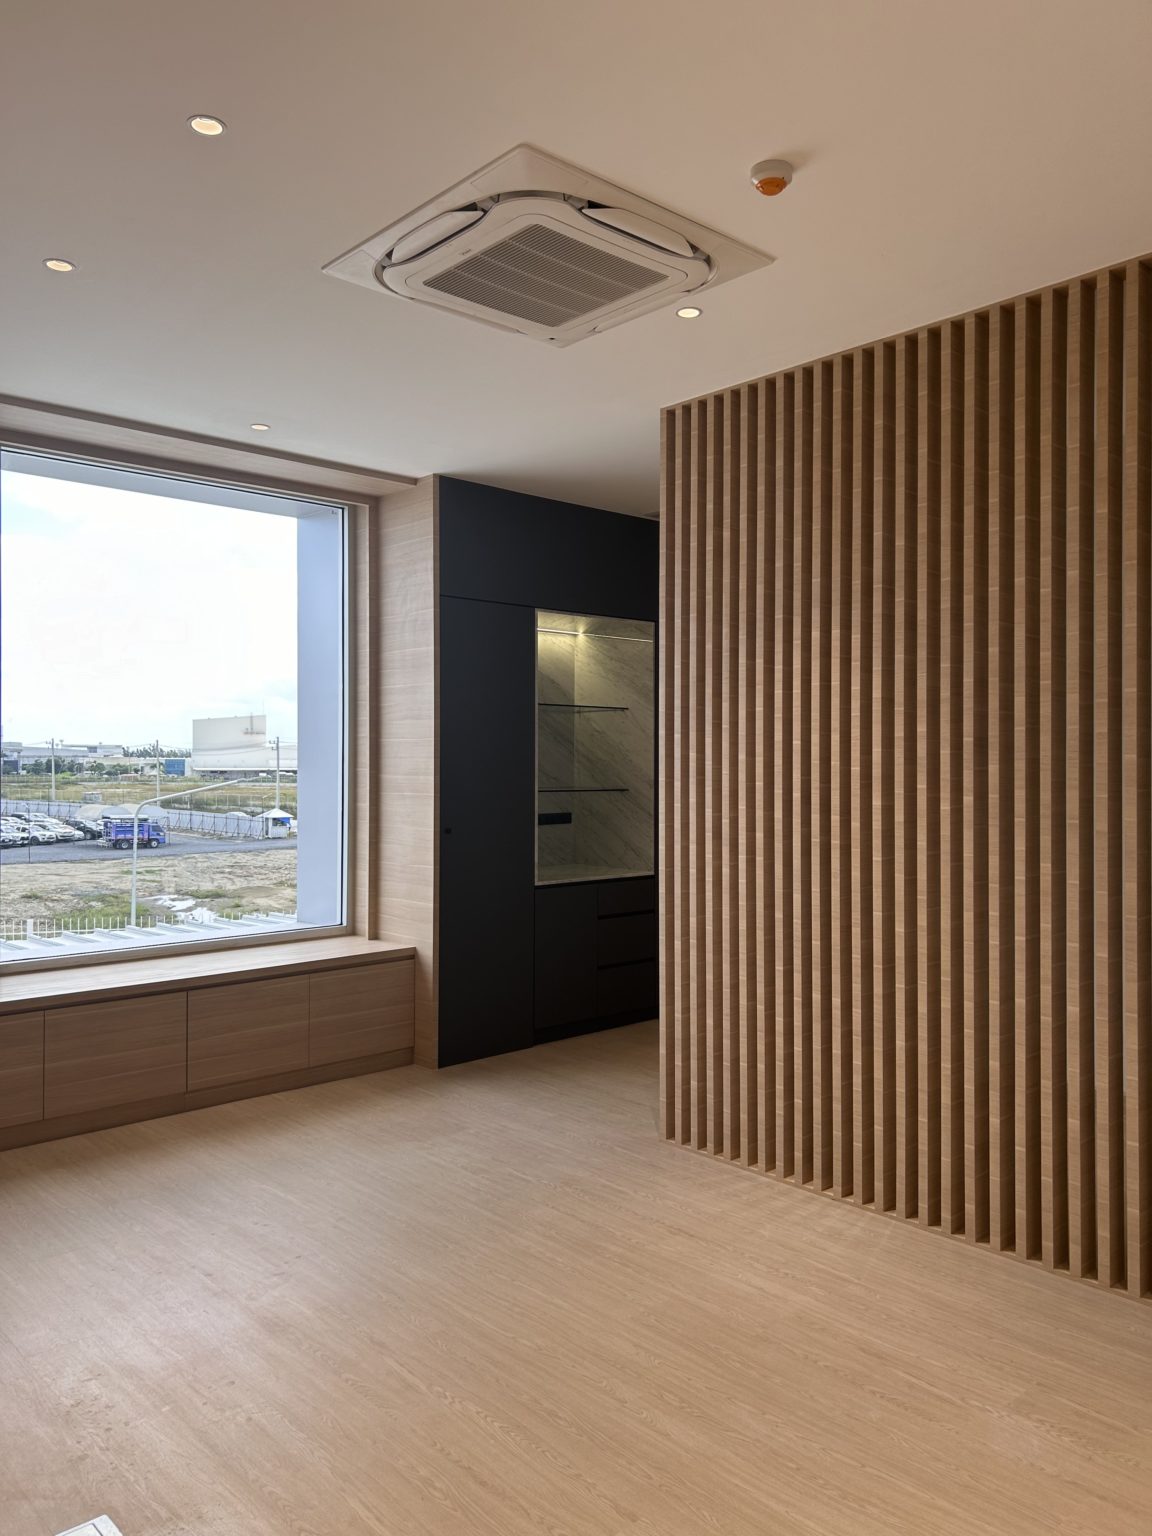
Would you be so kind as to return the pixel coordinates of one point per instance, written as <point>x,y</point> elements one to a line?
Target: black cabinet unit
<point>520,962</point>
<point>596,956</point>
<point>487,660</point>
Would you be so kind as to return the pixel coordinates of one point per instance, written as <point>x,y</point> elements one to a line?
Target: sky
<point>124,616</point>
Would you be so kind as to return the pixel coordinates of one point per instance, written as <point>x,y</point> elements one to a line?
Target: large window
<point>172,708</point>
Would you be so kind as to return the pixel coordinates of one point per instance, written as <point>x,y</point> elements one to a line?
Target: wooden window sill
<point>161,973</point>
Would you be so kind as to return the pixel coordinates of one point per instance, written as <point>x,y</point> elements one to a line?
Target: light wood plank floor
<point>491,1301</point>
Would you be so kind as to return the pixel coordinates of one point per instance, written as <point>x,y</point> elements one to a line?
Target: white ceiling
<point>947,155</point>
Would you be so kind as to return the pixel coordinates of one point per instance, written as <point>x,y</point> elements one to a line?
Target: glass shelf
<point>585,789</point>
<point>595,754</point>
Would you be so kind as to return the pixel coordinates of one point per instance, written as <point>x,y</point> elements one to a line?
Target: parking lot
<point>177,846</point>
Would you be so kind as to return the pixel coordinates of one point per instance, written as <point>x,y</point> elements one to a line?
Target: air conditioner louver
<point>546,277</point>
<point>568,257</point>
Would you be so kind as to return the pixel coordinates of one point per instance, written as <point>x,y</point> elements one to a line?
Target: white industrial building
<point>239,744</point>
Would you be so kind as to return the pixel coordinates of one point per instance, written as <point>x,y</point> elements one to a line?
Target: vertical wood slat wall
<point>906,816</point>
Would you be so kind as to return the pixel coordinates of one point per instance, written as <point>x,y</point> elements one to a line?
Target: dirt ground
<point>224,881</point>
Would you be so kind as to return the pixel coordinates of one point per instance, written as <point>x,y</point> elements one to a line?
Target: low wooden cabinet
<point>21,1068</point>
<point>158,1051</point>
<point>361,1011</point>
<point>253,1029</point>
<point>105,1054</point>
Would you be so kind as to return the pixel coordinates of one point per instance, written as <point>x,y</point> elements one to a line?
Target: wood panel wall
<point>401,737</point>
<point>906,837</point>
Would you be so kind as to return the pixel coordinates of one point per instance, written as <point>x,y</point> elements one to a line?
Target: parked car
<point>38,835</point>
<point>87,828</point>
<point>64,832</point>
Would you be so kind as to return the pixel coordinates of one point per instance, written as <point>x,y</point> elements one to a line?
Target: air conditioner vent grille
<point>542,275</point>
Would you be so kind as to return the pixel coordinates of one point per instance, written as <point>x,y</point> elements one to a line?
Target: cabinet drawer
<point>21,1068</point>
<point>628,989</point>
<point>365,1010</point>
<point>100,1055</point>
<point>629,938</point>
<point>616,896</point>
<point>250,1030</point>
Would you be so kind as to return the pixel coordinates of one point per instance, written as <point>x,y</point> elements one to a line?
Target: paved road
<point>87,853</point>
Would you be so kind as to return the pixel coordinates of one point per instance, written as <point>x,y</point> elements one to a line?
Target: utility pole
<point>52,756</point>
<point>276,802</point>
<point>157,765</point>
<point>159,799</point>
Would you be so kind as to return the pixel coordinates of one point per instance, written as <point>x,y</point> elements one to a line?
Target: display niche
<point>595,747</point>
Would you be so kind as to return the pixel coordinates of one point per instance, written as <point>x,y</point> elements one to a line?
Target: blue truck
<point>118,833</point>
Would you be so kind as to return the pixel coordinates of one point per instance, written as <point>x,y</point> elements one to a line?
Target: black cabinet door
<point>565,955</point>
<point>487,827</point>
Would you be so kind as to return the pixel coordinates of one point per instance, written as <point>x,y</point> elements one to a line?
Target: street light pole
<point>52,759</point>
<point>276,802</point>
<point>157,765</point>
<point>156,800</point>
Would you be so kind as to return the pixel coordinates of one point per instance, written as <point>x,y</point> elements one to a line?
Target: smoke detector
<point>534,245</point>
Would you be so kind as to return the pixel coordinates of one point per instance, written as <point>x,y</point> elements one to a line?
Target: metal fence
<point>224,824</point>
<point>16,928</point>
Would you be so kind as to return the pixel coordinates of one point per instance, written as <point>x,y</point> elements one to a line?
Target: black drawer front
<point>628,989</point>
<point>621,939</point>
<point>616,896</point>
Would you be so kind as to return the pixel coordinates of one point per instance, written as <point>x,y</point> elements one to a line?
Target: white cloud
<point>127,615</point>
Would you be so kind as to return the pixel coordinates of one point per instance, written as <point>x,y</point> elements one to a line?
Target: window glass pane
<point>172,760</point>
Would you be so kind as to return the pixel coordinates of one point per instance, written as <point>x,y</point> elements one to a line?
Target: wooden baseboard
<point>204,1098</point>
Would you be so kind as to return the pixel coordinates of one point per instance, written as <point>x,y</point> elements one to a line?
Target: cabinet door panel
<point>565,955</point>
<point>362,1011</point>
<point>615,896</point>
<point>629,989</point>
<point>21,1068</point>
<point>99,1055</point>
<point>250,1030</point>
<point>629,938</point>
<point>487,836</point>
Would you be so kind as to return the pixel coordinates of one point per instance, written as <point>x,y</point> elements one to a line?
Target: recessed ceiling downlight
<point>58,264</point>
<point>689,312</point>
<point>261,426</point>
<point>210,127</point>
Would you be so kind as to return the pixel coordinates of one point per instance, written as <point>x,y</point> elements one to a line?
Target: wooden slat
<point>765,775</point>
<point>1136,724</point>
<point>883,859</point>
<point>1108,785</point>
<point>824,759</point>
<point>974,532</point>
<point>744,805</point>
<point>1078,686</point>
<point>907,725</point>
<point>730,630</point>
<point>928,776</point>
<point>855,830</point>
<point>785,881</point>
<point>1001,785</point>
<point>669,799</point>
<point>907,1027</point>
<point>698,861</point>
<point>1026,721</point>
<point>805,1042</point>
<point>711,750</point>
<point>1053,774</point>
<point>951,781</point>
